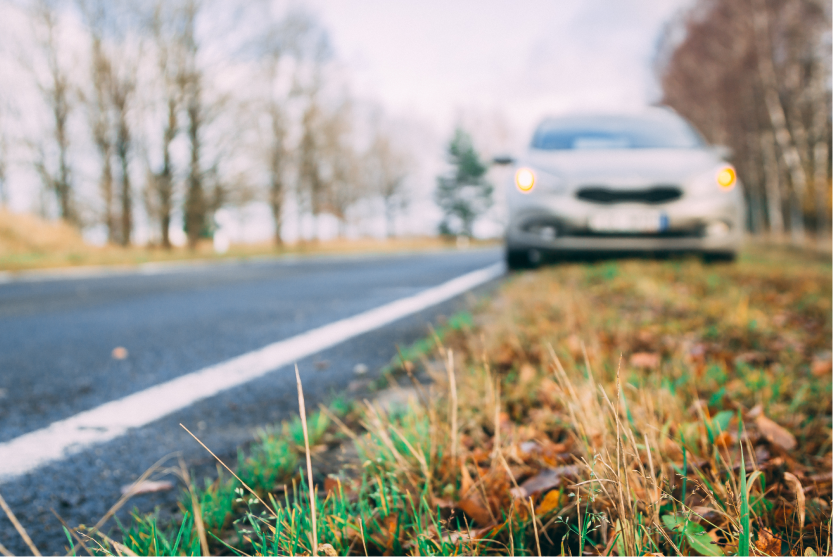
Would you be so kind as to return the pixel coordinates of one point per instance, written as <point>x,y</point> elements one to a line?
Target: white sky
<point>436,59</point>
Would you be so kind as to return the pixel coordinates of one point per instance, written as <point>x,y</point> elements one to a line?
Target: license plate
<point>628,221</point>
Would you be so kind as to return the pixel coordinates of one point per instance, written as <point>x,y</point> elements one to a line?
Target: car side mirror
<point>503,159</point>
<point>723,151</point>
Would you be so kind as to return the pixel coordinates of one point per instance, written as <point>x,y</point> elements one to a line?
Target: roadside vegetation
<point>629,407</point>
<point>29,243</point>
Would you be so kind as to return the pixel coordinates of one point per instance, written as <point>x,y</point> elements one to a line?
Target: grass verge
<point>627,407</point>
<point>29,243</point>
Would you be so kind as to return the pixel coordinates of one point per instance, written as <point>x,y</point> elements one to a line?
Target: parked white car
<point>614,183</point>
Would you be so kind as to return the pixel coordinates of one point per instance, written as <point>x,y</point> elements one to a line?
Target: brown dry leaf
<point>724,440</point>
<point>821,366</point>
<point>767,543</point>
<point>465,482</point>
<point>551,501</point>
<point>775,433</point>
<point>644,360</point>
<point>147,486</point>
<point>442,502</point>
<point>328,550</point>
<point>526,374</point>
<point>795,485</point>
<point>472,507</point>
<point>574,346</point>
<point>544,480</point>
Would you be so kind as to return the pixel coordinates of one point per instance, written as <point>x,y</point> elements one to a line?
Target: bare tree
<point>387,169</point>
<point>773,184</point>
<point>167,26</point>
<point>755,74</point>
<point>196,204</point>
<point>122,90</point>
<point>341,183</point>
<point>99,110</point>
<point>279,41</point>
<point>56,91</point>
<point>819,103</point>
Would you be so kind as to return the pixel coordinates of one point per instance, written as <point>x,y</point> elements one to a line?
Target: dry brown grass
<point>28,242</point>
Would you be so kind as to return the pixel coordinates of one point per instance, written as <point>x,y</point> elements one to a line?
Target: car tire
<point>720,257</point>
<point>517,259</point>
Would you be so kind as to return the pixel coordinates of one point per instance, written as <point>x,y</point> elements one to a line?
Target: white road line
<point>113,419</point>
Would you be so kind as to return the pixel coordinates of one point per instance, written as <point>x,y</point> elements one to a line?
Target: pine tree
<point>463,194</point>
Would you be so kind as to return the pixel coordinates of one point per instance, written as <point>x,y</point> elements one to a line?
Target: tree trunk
<point>772,176</point>
<point>123,153</point>
<point>106,187</point>
<point>821,115</point>
<point>775,110</point>
<point>390,217</point>
<point>276,186</point>
<point>165,181</point>
<point>753,190</point>
<point>195,199</point>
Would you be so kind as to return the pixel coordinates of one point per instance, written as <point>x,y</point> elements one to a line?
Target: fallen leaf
<point>526,374</point>
<point>823,477</point>
<point>644,360</point>
<point>821,366</point>
<point>775,433</point>
<point>328,550</point>
<point>767,543</point>
<point>147,486</point>
<point>465,482</point>
<point>119,353</point>
<point>551,501</point>
<point>472,507</point>
<point>799,497</point>
<point>442,502</point>
<point>723,440</point>
<point>544,480</point>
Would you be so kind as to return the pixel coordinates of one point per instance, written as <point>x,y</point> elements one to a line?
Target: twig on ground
<point>303,412</point>
<point>19,527</point>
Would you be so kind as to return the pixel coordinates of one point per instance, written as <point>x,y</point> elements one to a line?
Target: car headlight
<point>535,180</point>
<point>720,178</point>
<point>525,179</point>
<point>726,177</point>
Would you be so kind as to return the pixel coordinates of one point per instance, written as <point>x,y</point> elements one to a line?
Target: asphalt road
<point>57,336</point>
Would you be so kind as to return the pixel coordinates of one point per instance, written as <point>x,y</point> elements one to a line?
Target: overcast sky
<point>522,58</point>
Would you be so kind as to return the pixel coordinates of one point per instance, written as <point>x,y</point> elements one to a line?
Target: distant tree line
<point>184,114</point>
<point>754,75</point>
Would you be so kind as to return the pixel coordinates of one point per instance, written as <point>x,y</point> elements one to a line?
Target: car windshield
<point>616,132</point>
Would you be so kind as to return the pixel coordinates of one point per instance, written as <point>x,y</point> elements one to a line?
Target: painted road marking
<point>113,419</point>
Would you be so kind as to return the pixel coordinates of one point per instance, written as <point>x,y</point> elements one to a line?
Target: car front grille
<point>652,195</point>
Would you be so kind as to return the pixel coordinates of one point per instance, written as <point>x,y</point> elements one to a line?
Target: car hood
<point>623,167</point>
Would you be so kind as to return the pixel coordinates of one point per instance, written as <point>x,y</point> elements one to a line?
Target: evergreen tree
<point>463,194</point>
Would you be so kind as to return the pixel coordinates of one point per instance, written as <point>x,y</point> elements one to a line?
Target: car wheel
<point>517,259</point>
<point>720,257</point>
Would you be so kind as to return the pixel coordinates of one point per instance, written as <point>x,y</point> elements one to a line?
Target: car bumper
<point>712,225</point>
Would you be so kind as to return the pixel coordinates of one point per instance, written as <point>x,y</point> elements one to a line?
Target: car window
<point>615,132</point>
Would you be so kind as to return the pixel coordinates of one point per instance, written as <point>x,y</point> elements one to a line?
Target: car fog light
<point>726,177</point>
<point>717,230</point>
<point>525,179</point>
